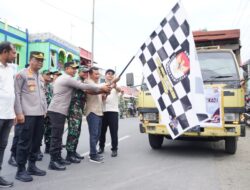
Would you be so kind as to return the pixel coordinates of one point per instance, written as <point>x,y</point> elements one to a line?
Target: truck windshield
<point>217,66</point>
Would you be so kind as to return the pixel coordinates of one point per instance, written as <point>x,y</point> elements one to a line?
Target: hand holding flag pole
<point>115,80</point>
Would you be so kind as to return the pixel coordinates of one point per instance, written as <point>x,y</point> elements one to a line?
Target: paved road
<point>179,165</point>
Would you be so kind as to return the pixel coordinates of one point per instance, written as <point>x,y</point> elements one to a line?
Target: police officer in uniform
<point>75,119</point>
<point>30,108</point>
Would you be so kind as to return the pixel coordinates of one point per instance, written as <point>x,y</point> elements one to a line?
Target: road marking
<point>109,144</point>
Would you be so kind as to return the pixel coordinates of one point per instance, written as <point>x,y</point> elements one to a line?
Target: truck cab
<point>219,57</point>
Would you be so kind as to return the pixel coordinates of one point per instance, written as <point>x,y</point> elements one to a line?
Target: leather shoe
<point>4,183</point>
<point>100,151</point>
<point>55,165</point>
<point>23,176</point>
<point>12,161</point>
<point>114,153</point>
<point>78,156</point>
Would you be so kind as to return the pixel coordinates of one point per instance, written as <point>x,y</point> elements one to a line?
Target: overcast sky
<point>121,26</point>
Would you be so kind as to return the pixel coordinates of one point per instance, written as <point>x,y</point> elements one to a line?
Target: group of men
<point>38,106</point>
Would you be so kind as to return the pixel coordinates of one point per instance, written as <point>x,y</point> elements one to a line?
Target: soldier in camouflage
<point>75,119</point>
<point>46,74</point>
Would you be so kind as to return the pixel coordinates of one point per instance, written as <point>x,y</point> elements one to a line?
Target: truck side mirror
<point>130,79</point>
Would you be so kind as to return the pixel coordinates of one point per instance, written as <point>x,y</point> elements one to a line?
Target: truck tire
<point>248,122</point>
<point>231,145</point>
<point>155,141</point>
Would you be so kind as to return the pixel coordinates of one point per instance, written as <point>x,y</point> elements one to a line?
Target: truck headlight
<point>231,117</point>
<point>150,116</point>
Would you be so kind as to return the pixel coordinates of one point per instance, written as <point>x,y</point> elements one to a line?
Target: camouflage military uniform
<point>75,119</point>
<point>47,127</point>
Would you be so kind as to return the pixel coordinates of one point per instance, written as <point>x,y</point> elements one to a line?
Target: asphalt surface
<point>178,165</point>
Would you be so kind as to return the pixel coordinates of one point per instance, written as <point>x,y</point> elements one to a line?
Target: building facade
<point>19,38</point>
<point>56,50</point>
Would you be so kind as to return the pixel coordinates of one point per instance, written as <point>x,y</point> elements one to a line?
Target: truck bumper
<point>229,130</point>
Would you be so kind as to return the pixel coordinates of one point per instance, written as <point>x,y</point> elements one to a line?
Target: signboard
<point>213,107</point>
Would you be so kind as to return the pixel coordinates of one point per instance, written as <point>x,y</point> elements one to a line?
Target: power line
<point>64,11</point>
<point>236,15</point>
<point>243,10</point>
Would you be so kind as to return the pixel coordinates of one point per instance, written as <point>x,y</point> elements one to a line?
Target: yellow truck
<point>219,58</point>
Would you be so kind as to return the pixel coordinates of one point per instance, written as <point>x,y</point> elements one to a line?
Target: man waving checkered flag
<point>172,72</point>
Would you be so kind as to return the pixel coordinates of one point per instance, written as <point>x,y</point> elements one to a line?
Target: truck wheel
<point>248,122</point>
<point>231,145</point>
<point>155,141</point>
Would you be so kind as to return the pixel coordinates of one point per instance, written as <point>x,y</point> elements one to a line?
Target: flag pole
<point>126,66</point>
<point>118,78</point>
<point>93,34</point>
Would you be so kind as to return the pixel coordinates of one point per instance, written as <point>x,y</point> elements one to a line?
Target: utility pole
<point>93,33</point>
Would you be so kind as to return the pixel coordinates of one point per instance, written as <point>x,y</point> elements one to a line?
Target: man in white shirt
<point>110,115</point>
<point>7,99</point>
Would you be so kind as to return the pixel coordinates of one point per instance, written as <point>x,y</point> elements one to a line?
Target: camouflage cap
<point>46,72</point>
<point>83,69</point>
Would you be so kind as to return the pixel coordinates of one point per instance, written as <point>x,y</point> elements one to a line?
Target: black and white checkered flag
<point>172,72</point>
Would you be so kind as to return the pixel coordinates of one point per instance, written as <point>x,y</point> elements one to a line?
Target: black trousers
<point>30,135</point>
<point>5,127</point>
<point>57,121</point>
<point>110,119</point>
<point>15,139</point>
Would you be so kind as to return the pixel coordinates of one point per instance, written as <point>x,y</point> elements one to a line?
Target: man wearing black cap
<point>110,115</point>
<point>30,108</point>
<point>58,110</point>
<point>74,118</point>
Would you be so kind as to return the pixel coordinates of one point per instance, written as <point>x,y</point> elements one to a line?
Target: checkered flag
<point>172,72</point>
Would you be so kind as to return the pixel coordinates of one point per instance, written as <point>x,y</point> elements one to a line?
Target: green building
<point>56,51</point>
<point>19,38</point>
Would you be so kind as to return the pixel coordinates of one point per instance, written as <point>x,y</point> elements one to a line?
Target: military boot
<point>33,170</point>
<point>72,158</point>
<point>22,174</point>
<point>63,161</point>
<point>55,163</point>
<point>77,155</point>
